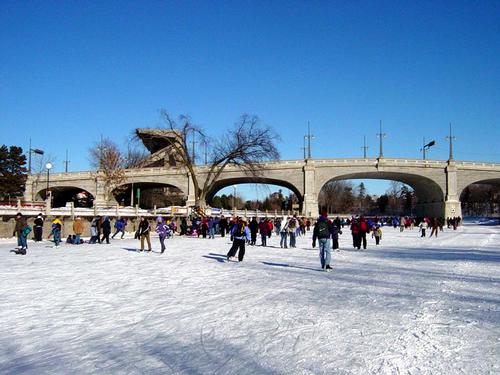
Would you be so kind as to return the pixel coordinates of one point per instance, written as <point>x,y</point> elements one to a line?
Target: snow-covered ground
<point>408,306</point>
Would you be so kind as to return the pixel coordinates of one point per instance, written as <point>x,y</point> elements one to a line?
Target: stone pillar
<point>191,198</point>
<point>310,203</point>
<point>452,205</point>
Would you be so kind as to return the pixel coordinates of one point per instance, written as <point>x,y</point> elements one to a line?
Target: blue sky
<point>71,71</point>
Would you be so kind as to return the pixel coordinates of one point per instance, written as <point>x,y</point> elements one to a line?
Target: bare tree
<point>245,146</point>
<point>134,157</point>
<point>106,158</point>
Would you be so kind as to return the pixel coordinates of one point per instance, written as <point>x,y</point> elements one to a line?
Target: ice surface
<point>409,306</point>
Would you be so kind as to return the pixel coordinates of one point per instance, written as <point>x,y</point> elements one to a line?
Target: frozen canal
<point>409,306</point>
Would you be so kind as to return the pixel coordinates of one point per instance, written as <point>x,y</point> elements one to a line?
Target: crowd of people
<point>287,228</point>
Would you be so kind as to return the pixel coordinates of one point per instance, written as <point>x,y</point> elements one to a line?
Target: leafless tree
<point>244,146</point>
<point>134,156</point>
<point>106,158</point>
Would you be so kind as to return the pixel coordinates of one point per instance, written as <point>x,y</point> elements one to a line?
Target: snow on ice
<point>409,306</point>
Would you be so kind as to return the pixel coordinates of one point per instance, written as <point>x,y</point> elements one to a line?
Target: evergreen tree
<point>13,172</point>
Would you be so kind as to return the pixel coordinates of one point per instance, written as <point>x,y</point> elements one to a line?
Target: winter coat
<point>78,226</point>
<point>21,223</point>
<point>120,224</point>
<point>263,228</point>
<point>38,222</point>
<point>316,233</point>
<point>243,235</point>
<point>144,227</point>
<point>56,225</point>
<point>106,225</point>
<point>254,226</point>
<point>162,229</point>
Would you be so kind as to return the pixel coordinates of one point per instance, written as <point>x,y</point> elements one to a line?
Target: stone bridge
<point>437,184</point>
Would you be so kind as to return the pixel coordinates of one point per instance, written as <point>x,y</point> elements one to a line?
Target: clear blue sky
<point>71,71</point>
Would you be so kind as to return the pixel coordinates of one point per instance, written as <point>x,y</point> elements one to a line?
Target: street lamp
<point>34,151</point>
<point>234,196</point>
<point>48,166</point>
<point>427,146</point>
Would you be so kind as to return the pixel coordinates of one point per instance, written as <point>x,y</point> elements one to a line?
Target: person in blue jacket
<point>240,234</point>
<point>120,227</point>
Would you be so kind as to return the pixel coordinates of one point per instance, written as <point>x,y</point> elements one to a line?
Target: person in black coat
<point>106,229</point>
<point>38,227</point>
<point>223,226</point>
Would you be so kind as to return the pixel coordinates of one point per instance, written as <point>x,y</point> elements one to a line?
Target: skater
<point>254,228</point>
<point>422,228</point>
<point>223,225</point>
<point>364,228</point>
<point>356,239</point>
<point>94,234</point>
<point>56,231</point>
<point>143,233</point>
<point>377,233</point>
<point>335,236</point>
<point>264,232</point>
<point>322,232</point>
<point>284,233</point>
<point>240,234</point>
<point>78,230</point>
<point>211,227</point>
<point>106,229</point>
<point>292,228</point>
<point>38,227</point>
<point>434,226</point>
<point>119,227</point>
<point>162,229</point>
<point>22,230</point>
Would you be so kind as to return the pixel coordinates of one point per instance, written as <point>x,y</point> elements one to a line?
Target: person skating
<point>335,236</point>
<point>292,230</point>
<point>144,233</point>
<point>284,233</point>
<point>119,227</point>
<point>264,232</point>
<point>377,234</point>
<point>322,232</point>
<point>38,228</point>
<point>223,225</point>
<point>94,234</point>
<point>240,234</point>
<point>56,231</point>
<point>106,229</point>
<point>21,230</point>
<point>254,229</point>
<point>356,238</point>
<point>78,228</point>
<point>364,228</point>
<point>162,229</point>
<point>422,228</point>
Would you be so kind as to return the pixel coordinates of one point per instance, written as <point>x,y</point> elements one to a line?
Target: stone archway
<point>221,184</point>
<point>429,194</point>
<point>61,195</point>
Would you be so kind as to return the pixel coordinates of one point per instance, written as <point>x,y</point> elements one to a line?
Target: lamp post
<point>234,198</point>
<point>48,195</point>
<point>426,146</point>
<point>34,151</point>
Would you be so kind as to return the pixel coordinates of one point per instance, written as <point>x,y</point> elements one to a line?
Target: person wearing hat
<point>240,234</point>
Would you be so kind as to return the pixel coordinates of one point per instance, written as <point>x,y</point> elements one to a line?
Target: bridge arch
<point>429,193</point>
<point>221,184</point>
<point>61,195</point>
<point>148,194</point>
<point>488,202</point>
